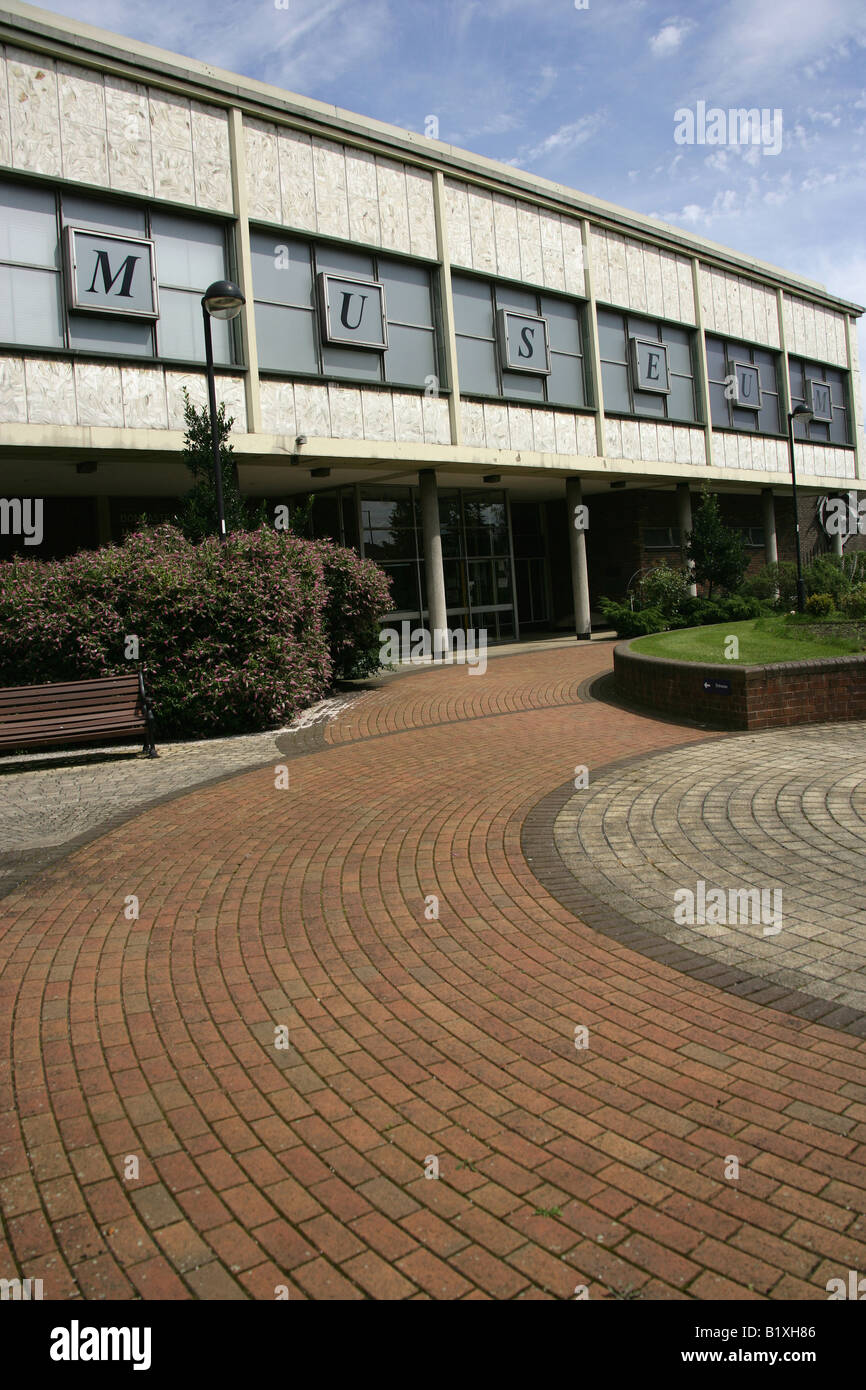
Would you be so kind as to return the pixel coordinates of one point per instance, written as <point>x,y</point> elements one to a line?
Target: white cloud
<point>670,37</point>
<point>567,137</point>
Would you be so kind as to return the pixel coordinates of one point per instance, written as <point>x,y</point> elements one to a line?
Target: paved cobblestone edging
<point>410,1035</point>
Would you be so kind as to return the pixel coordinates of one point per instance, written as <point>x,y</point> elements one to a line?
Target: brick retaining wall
<point>759,697</point>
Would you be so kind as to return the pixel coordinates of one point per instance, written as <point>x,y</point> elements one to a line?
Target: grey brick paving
<point>779,810</point>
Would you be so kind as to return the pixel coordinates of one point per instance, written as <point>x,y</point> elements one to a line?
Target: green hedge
<point>234,637</point>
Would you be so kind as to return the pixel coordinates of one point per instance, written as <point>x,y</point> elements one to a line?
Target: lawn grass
<point>760,640</point>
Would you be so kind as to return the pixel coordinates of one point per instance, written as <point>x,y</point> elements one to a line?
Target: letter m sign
<point>110,274</point>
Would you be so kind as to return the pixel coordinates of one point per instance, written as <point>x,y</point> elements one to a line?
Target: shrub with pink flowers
<point>233,637</point>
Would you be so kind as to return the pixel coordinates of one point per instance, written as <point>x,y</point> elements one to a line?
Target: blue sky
<point>586,96</point>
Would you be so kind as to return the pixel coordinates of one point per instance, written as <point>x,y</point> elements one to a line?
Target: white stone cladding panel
<point>472,416</point>
<point>312,410</point>
<point>50,392</point>
<point>736,307</point>
<point>639,277</point>
<point>630,439</point>
<point>831,462</point>
<point>13,391</point>
<point>296,194</point>
<point>34,112</point>
<point>322,186</point>
<point>481,233</point>
<point>682,445</point>
<point>544,431</point>
<point>520,427</point>
<point>346,419</point>
<point>278,407</point>
<point>565,431</point>
<point>329,180</point>
<point>496,433</point>
<point>74,122</point>
<point>263,171</point>
<point>437,421</point>
<point>649,441</point>
<point>98,394</point>
<point>508,237</point>
<point>813,331</point>
<point>613,439</point>
<point>665,435</point>
<point>5,115</point>
<point>408,419</point>
<point>378,413</point>
<point>175,385</point>
<point>587,442</point>
<point>144,398</point>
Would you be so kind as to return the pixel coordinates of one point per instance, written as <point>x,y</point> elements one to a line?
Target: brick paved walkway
<point>262,908</point>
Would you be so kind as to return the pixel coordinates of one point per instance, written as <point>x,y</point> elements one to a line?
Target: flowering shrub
<point>234,637</point>
<point>358,595</point>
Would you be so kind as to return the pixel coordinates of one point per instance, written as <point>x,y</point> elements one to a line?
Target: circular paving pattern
<point>780,816</point>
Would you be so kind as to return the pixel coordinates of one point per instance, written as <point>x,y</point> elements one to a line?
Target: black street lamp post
<point>222,300</point>
<point>804,414</point>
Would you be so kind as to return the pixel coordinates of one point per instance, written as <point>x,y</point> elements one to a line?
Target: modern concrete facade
<point>224,175</point>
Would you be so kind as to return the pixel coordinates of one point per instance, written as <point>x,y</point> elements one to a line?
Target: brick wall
<point>760,697</point>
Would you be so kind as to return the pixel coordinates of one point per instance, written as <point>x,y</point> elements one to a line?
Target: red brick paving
<point>451,1037</point>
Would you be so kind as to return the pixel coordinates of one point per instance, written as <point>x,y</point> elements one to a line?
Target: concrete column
<point>437,617</point>
<point>577,550</point>
<point>838,543</point>
<point>684,521</point>
<point>771,544</point>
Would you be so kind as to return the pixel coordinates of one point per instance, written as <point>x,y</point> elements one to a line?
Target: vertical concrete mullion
<point>703,370</point>
<point>240,196</point>
<point>684,520</point>
<point>577,551</point>
<point>593,353</point>
<point>434,569</point>
<point>853,360</point>
<point>446,306</point>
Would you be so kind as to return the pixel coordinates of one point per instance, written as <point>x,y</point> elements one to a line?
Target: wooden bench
<point>99,711</point>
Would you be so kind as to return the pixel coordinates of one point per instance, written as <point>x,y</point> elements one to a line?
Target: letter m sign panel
<point>110,274</point>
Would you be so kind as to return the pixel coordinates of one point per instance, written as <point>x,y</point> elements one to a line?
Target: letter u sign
<point>352,312</point>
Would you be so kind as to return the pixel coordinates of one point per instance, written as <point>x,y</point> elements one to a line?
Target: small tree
<point>198,516</point>
<point>717,551</point>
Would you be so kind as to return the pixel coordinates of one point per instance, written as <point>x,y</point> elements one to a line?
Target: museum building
<point>454,355</point>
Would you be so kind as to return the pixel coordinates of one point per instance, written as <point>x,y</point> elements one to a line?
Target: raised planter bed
<point>816,691</point>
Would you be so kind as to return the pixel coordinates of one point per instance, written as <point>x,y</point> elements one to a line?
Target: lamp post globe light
<point>802,413</point>
<point>221,300</point>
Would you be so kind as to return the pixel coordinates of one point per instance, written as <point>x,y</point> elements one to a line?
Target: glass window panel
<point>392,543</point>
<point>522,385</point>
<point>326,516</point>
<point>614,382</point>
<point>766,363</point>
<point>455,595</point>
<point>796,376</point>
<point>839,427</point>
<point>563,324</point>
<point>286,339</point>
<point>476,364</point>
<point>102,216</point>
<point>745,420</point>
<point>352,362</point>
<point>681,401</point>
<point>642,328</point>
<point>819,432</point>
<point>679,354</point>
<point>189,254</point>
<point>565,383</point>
<point>611,337</point>
<point>648,403</point>
<point>180,328</point>
<point>719,412</point>
<point>31,303</point>
<point>473,311</point>
<point>341,262</point>
<point>28,227</point>
<point>509,297</point>
<point>281,270</point>
<point>481,587</point>
<point>350,517</point>
<point>717,363</point>
<point>768,415</point>
<point>837,388</point>
<point>407,293</point>
<point>94,333</point>
<point>404,587</point>
<point>411,355</point>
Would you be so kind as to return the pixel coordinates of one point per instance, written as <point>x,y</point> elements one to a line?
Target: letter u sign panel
<point>110,274</point>
<point>352,312</point>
